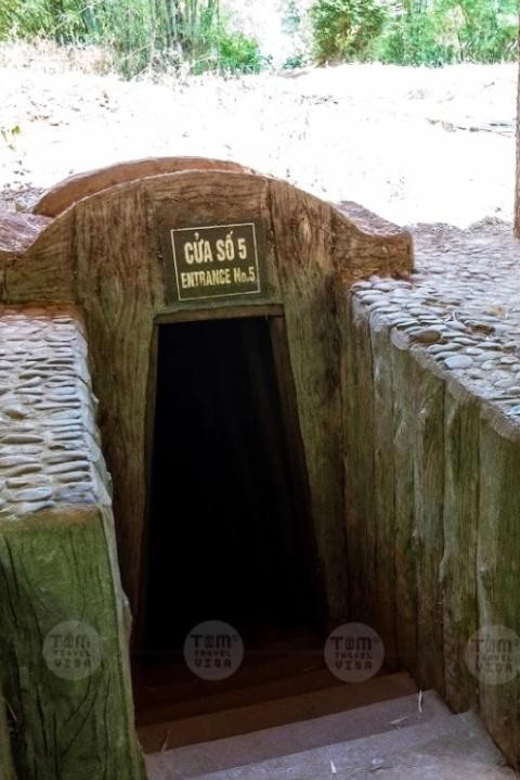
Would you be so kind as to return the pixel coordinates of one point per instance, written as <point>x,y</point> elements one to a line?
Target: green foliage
<point>142,34</point>
<point>194,34</point>
<point>415,32</point>
<point>345,29</point>
<point>60,20</point>
<point>294,61</point>
<point>411,39</point>
<point>489,30</point>
<point>295,22</point>
<point>238,53</point>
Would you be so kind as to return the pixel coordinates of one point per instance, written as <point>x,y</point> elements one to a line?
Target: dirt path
<point>414,145</point>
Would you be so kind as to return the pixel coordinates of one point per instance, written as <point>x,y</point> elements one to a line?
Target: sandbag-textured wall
<point>433,495</point>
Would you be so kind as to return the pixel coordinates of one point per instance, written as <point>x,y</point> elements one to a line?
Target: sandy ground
<point>414,145</point>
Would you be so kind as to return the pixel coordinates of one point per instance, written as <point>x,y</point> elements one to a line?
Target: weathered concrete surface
<point>19,230</point>
<point>62,608</point>
<point>431,395</point>
<point>49,443</point>
<point>6,758</point>
<point>270,709</point>
<point>453,749</point>
<point>303,735</point>
<point>461,307</point>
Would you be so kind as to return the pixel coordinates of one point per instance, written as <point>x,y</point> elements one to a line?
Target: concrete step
<point>453,748</point>
<point>274,666</point>
<point>268,706</point>
<point>195,703</point>
<point>293,738</point>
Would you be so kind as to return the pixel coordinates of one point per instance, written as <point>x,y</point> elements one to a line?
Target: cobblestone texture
<point>461,308</point>
<point>49,445</point>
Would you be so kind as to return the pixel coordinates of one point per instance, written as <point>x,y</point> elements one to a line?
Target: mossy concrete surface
<point>65,675</point>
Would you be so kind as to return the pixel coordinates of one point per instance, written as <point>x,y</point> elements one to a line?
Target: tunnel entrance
<point>230,534</point>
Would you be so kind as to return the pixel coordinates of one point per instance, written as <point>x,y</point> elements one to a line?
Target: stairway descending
<point>383,728</point>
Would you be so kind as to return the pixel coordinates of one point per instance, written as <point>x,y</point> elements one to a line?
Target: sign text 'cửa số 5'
<point>216,261</point>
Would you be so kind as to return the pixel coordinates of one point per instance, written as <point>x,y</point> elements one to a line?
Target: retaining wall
<point>432,463</point>
<point>64,624</point>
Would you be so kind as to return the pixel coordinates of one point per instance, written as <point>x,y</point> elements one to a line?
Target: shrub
<point>238,53</point>
<point>295,61</point>
<point>411,39</point>
<point>345,29</point>
<point>486,34</point>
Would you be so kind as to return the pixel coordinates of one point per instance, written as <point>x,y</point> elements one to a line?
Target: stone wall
<point>64,627</point>
<point>431,396</point>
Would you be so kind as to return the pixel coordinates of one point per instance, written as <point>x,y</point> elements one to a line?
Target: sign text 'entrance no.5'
<point>216,261</point>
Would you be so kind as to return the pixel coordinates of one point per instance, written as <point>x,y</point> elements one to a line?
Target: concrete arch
<point>110,254</point>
